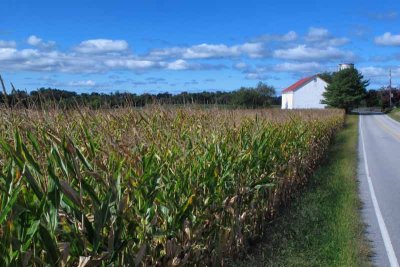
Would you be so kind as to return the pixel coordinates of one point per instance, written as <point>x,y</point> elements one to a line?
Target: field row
<point>150,187</point>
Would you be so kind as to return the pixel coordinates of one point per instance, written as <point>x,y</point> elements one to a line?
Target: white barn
<point>305,93</point>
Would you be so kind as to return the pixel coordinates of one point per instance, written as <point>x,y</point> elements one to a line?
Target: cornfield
<point>151,187</point>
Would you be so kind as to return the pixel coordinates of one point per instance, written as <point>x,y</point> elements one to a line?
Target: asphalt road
<point>379,176</point>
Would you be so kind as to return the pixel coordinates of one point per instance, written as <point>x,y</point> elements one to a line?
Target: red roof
<point>298,84</point>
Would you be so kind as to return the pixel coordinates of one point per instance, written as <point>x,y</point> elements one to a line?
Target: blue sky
<point>181,45</point>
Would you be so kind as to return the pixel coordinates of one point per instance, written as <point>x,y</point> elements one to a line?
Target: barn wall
<point>287,100</point>
<point>310,95</point>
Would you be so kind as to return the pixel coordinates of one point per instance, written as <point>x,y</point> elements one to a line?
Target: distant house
<point>305,93</point>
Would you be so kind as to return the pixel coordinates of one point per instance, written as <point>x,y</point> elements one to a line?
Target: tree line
<point>261,95</point>
<point>346,89</point>
<point>381,98</point>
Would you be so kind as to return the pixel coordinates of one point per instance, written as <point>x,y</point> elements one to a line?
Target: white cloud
<point>317,34</point>
<point>7,44</point>
<point>55,61</point>
<point>88,83</point>
<point>290,36</point>
<point>253,50</point>
<point>390,15</point>
<point>306,53</point>
<point>12,54</point>
<point>373,71</point>
<point>298,67</point>
<point>256,76</point>
<point>360,31</point>
<point>396,72</point>
<point>379,76</point>
<point>257,72</point>
<point>204,51</point>
<point>104,55</point>
<point>322,38</point>
<point>240,66</point>
<point>126,63</point>
<point>179,64</point>
<point>265,72</point>
<point>70,62</point>
<point>388,39</point>
<point>41,60</point>
<point>102,46</point>
<point>7,53</point>
<point>335,42</point>
<point>51,81</point>
<point>33,40</point>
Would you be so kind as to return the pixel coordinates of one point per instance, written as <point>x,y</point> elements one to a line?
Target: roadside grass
<point>323,226</point>
<point>395,114</point>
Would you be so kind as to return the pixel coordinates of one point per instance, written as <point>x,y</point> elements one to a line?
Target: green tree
<point>346,90</point>
<point>373,98</point>
<point>326,76</point>
<point>250,97</point>
<point>265,90</point>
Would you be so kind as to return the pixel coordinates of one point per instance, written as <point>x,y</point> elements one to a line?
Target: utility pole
<point>390,87</point>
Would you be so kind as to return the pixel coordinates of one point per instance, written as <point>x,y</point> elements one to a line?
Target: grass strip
<point>395,114</point>
<point>323,226</point>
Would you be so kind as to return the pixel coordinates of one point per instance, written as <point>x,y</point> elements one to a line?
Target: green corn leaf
<point>56,155</point>
<point>50,245</point>
<point>6,147</point>
<point>34,141</point>
<point>67,205</point>
<point>32,182</point>
<point>18,143</point>
<point>82,158</point>
<point>101,216</point>
<point>89,138</point>
<point>31,232</point>
<point>70,193</point>
<point>91,191</point>
<point>10,204</point>
<point>30,159</point>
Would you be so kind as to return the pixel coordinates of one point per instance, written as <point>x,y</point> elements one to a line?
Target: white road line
<point>382,226</point>
<point>392,120</point>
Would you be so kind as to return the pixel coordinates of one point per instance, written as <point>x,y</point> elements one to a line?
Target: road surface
<point>379,176</point>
